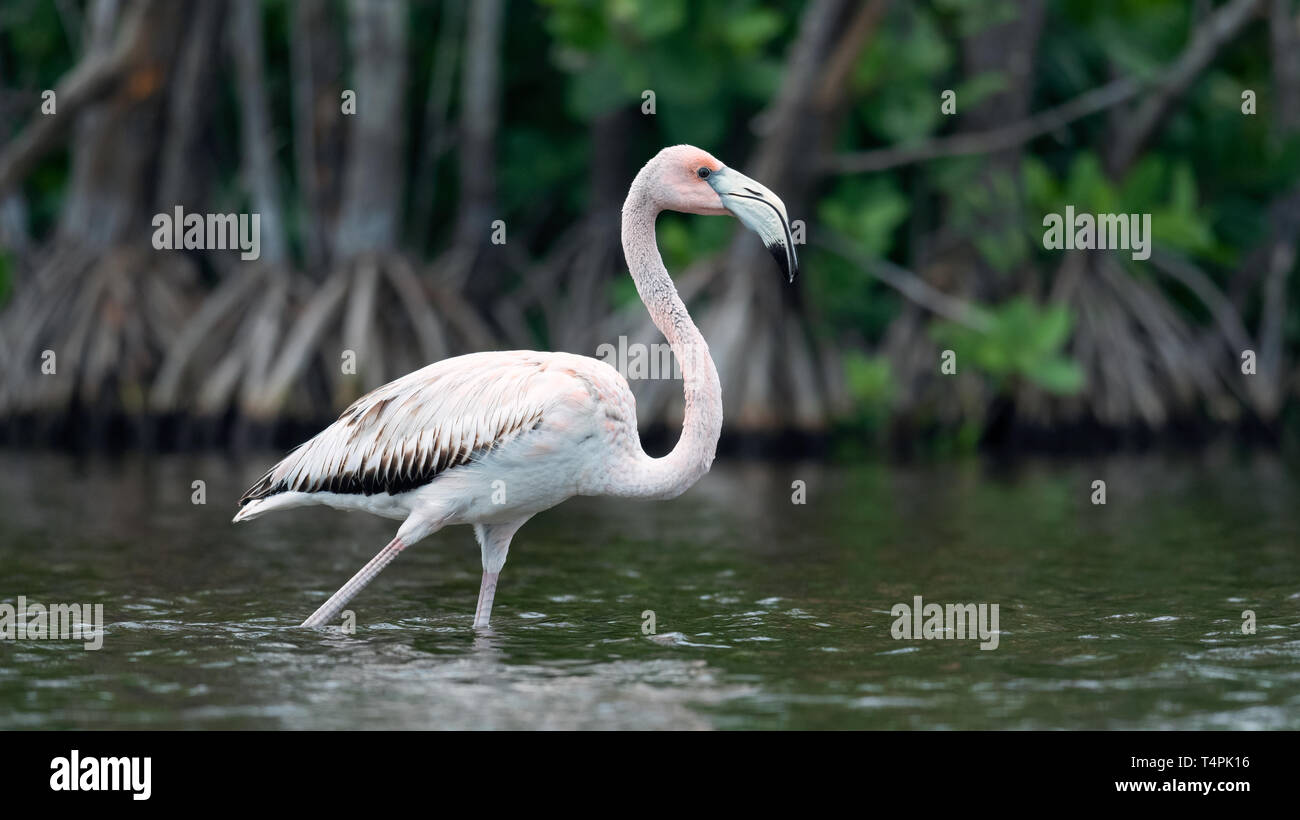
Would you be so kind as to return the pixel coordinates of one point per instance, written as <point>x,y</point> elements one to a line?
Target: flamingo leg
<point>487,592</point>
<point>494,540</point>
<point>365,575</point>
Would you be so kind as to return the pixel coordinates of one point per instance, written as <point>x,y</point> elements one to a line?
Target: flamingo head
<point>693,181</point>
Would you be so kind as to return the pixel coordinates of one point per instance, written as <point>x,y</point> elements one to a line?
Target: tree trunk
<point>317,70</point>
<point>103,301</point>
<point>117,143</point>
<point>187,164</point>
<point>370,219</point>
<point>480,102</point>
<point>435,131</point>
<point>775,377</point>
<point>467,267</point>
<point>1284,38</point>
<point>260,171</point>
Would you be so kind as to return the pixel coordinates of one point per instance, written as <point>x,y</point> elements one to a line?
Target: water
<point>768,614</point>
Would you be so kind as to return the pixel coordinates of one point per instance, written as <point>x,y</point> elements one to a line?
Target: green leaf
<point>869,379</point>
<point>649,18</point>
<point>1022,340</point>
<point>869,211</point>
<point>1040,186</point>
<point>975,90</point>
<point>749,31</point>
<point>1182,196</point>
<point>1056,375</point>
<point>1052,329</point>
<point>1145,184</point>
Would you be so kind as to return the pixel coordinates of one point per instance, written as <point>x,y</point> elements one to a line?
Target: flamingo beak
<point>761,211</point>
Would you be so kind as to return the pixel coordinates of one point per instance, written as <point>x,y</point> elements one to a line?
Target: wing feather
<point>406,433</point>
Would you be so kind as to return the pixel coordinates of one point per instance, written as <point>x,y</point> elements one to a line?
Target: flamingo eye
<point>703,173</point>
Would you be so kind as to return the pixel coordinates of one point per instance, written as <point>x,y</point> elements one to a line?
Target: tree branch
<point>987,142</point>
<point>1221,308</point>
<point>1210,36</point>
<point>907,283</point>
<point>94,78</point>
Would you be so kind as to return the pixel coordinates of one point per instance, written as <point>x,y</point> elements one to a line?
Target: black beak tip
<point>786,261</point>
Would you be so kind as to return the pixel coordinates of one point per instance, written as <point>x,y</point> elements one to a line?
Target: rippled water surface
<point>768,614</point>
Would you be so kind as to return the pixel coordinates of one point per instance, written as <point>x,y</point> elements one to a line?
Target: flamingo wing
<point>406,433</point>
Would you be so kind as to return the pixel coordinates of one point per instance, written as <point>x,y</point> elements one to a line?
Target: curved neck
<point>673,474</point>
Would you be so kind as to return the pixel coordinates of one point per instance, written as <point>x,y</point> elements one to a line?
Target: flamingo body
<point>480,438</point>
<point>492,439</point>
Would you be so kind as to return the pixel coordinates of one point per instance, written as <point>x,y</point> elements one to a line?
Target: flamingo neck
<point>673,474</point>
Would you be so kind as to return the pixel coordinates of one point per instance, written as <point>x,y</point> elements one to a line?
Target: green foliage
<point>1164,189</point>
<point>869,210</point>
<point>894,74</point>
<point>35,45</point>
<point>701,60</point>
<point>1022,341</point>
<point>871,382</point>
<point>1207,177</point>
<point>974,90</point>
<point>978,202</point>
<point>533,160</point>
<point>683,240</point>
<point>973,16</point>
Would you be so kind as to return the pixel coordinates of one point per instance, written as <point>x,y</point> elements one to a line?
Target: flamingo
<point>491,439</point>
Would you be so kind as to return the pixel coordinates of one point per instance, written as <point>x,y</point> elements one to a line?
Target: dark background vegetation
<point>924,230</point>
